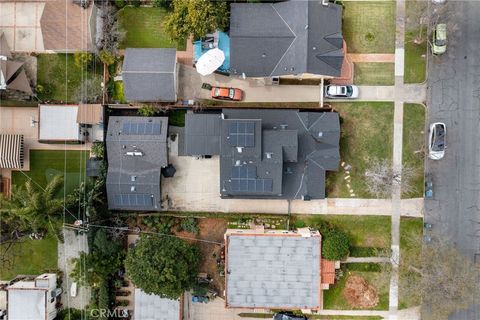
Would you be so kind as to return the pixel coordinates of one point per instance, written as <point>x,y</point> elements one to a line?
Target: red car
<point>224,93</point>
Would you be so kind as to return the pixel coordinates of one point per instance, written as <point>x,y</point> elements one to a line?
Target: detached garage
<point>58,123</point>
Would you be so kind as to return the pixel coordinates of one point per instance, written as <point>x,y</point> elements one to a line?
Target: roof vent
<point>237,163</point>
<point>134,154</point>
<point>284,126</point>
<point>133,178</point>
<point>132,188</point>
<point>240,149</point>
<point>325,3</point>
<point>269,155</point>
<point>320,134</point>
<point>124,147</point>
<point>314,48</point>
<point>264,55</point>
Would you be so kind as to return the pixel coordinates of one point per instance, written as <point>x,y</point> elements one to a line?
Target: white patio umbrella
<point>210,61</point>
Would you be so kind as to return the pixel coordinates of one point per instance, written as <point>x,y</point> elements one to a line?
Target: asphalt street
<point>454,98</point>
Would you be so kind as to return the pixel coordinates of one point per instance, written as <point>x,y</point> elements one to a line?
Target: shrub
<point>135,3</point>
<point>335,244</point>
<point>98,149</point>
<point>82,59</point>
<point>147,111</point>
<point>299,224</point>
<point>189,224</point>
<point>161,3</point>
<point>120,4</point>
<point>106,57</point>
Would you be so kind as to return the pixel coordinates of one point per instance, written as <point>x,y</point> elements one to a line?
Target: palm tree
<point>34,208</point>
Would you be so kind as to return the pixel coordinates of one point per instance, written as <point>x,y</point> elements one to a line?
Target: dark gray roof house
<point>150,75</point>
<point>136,151</point>
<point>286,38</point>
<point>271,154</point>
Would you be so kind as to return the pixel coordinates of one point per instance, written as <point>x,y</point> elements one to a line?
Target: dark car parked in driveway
<point>288,316</point>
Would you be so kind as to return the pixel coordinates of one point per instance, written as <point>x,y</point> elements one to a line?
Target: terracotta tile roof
<point>327,271</point>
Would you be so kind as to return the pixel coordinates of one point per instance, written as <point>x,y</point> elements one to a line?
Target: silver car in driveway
<point>437,140</point>
<point>341,92</point>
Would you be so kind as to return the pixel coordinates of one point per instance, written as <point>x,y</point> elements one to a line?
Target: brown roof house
<point>275,269</point>
<point>48,25</point>
<point>12,75</point>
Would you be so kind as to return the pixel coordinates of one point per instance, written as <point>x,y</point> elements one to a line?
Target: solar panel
<point>242,133</point>
<point>244,179</point>
<point>133,200</point>
<point>141,128</point>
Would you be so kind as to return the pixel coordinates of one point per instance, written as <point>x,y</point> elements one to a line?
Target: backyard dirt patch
<point>360,294</point>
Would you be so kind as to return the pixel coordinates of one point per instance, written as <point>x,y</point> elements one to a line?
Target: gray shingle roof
<point>273,272</point>
<point>290,37</point>
<point>150,74</point>
<point>287,156</point>
<point>136,153</point>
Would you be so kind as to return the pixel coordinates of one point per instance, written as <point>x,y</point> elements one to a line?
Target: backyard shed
<point>58,123</point>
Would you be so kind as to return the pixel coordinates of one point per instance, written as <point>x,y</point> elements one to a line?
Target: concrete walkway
<point>397,156</point>
<point>367,260</point>
<point>372,57</point>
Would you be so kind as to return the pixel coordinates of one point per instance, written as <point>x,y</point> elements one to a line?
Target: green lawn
<point>61,79</point>
<point>379,74</point>
<point>30,257</point>
<point>144,28</point>
<point>45,164</point>
<point>411,230</point>
<point>414,145</point>
<point>369,27</point>
<point>366,134</point>
<point>363,231</point>
<point>333,297</point>
<point>415,54</point>
<point>117,94</point>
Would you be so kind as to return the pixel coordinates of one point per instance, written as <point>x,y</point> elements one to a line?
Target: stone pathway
<point>372,57</point>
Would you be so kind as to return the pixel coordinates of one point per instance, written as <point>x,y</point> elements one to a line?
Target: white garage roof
<point>153,307</point>
<point>59,122</point>
<point>25,302</point>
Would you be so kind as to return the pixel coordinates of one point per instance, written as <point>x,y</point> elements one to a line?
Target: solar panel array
<point>141,128</point>
<point>242,133</point>
<point>244,179</point>
<point>133,200</point>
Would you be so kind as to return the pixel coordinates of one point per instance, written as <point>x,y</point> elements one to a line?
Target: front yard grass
<point>60,79</point>
<point>374,74</point>
<point>411,231</point>
<point>45,164</point>
<point>369,27</point>
<point>414,146</point>
<point>30,257</point>
<point>333,297</point>
<point>366,134</point>
<point>144,28</point>
<point>369,235</point>
<point>415,53</point>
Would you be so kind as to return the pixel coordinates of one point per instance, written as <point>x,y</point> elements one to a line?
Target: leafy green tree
<point>165,266</point>
<point>197,18</point>
<point>98,149</point>
<point>32,208</point>
<point>106,57</point>
<point>147,111</point>
<point>101,263</point>
<point>335,244</point>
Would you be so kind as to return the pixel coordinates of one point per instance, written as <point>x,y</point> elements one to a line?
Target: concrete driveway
<point>20,21</point>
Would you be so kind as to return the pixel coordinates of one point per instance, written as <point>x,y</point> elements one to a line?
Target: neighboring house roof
<point>44,25</point>
<point>12,75</point>
<point>284,38</point>
<point>276,153</point>
<point>30,300</point>
<point>11,151</point>
<point>278,270</point>
<point>136,150</point>
<point>150,75</point>
<point>58,122</point>
<point>149,307</point>
<point>90,114</point>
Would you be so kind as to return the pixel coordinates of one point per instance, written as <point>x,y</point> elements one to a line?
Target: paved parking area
<point>20,21</point>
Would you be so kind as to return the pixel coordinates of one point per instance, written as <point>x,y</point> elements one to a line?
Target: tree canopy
<point>335,244</point>
<point>194,17</point>
<point>165,266</point>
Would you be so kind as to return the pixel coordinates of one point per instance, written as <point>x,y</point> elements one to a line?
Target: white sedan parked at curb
<point>437,140</point>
